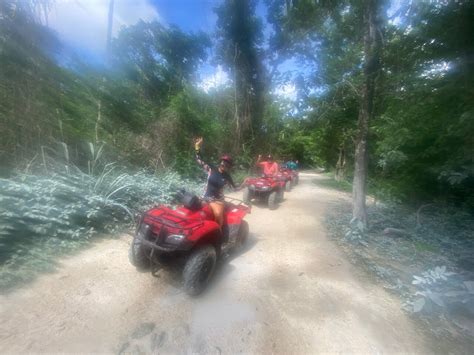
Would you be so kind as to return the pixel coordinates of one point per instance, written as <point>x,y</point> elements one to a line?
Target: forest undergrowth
<point>60,208</point>
<point>422,255</point>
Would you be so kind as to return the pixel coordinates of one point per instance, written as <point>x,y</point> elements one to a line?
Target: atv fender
<point>209,233</point>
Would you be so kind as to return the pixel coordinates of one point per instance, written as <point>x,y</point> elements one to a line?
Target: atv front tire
<point>273,200</point>
<point>199,269</point>
<point>139,254</point>
<point>280,195</point>
<point>247,196</point>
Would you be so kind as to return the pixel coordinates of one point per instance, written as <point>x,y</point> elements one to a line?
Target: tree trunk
<point>372,46</point>
<point>238,130</point>
<point>341,164</point>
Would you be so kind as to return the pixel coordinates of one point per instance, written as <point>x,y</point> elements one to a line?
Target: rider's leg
<point>217,208</point>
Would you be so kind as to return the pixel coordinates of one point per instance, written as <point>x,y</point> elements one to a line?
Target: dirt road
<point>290,292</point>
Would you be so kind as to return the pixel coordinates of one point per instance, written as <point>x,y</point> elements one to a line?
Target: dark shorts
<point>213,199</point>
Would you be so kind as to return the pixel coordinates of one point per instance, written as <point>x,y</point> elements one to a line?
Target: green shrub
<point>43,216</point>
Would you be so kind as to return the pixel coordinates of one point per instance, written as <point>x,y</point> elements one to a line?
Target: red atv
<point>264,188</point>
<point>296,176</point>
<point>189,234</point>
<point>286,178</point>
<point>292,176</point>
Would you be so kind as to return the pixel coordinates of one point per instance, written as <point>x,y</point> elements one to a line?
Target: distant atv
<point>286,178</point>
<point>292,176</point>
<point>188,234</point>
<point>264,188</point>
<point>296,176</point>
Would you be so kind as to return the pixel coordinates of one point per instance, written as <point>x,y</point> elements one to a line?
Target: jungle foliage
<point>420,139</point>
<point>145,105</point>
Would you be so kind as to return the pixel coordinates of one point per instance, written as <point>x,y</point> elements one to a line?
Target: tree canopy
<point>146,104</point>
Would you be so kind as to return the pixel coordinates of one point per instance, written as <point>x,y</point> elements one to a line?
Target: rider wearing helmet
<point>217,177</point>
<point>291,165</point>
<point>269,167</point>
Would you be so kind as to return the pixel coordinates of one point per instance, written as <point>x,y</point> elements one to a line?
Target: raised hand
<point>198,142</point>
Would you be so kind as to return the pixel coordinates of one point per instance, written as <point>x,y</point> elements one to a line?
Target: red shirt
<point>269,168</point>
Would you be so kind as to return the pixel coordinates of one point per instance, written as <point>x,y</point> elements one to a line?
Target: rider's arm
<point>199,160</point>
<point>197,154</point>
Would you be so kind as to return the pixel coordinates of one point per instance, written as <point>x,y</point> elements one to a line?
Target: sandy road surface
<point>290,292</point>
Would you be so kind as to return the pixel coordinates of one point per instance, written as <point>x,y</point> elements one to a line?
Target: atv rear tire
<point>247,196</point>
<point>273,200</point>
<point>297,180</point>
<point>199,269</point>
<point>139,254</point>
<point>288,185</point>
<point>243,233</point>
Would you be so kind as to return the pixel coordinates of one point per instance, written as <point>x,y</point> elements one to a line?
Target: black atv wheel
<point>139,254</point>
<point>293,182</point>
<point>297,179</point>
<point>199,269</point>
<point>280,195</point>
<point>273,200</point>
<point>288,185</point>
<point>247,196</point>
<point>243,233</point>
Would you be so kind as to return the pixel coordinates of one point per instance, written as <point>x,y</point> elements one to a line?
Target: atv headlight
<point>265,188</point>
<point>143,230</point>
<point>175,239</point>
<point>252,187</point>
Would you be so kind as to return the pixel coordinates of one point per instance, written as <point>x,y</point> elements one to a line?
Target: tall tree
<point>372,47</point>
<point>425,145</point>
<point>239,33</point>
<point>330,37</point>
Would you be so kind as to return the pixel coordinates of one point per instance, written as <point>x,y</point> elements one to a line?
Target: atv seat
<point>190,200</point>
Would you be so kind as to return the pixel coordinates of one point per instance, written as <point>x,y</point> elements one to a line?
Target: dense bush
<point>41,216</point>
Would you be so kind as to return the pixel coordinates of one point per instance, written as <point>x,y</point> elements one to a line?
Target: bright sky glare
<point>82,24</point>
<point>214,80</point>
<point>287,91</point>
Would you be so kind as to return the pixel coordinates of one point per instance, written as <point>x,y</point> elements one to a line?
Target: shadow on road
<point>224,268</point>
<point>172,273</point>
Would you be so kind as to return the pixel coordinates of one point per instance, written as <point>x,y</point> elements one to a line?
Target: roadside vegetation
<point>55,208</point>
<point>423,255</point>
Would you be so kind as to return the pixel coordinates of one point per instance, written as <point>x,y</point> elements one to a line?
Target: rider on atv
<point>270,168</point>
<point>217,178</point>
<point>291,164</point>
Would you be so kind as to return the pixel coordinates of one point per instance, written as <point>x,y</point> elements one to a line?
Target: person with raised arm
<point>217,178</point>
